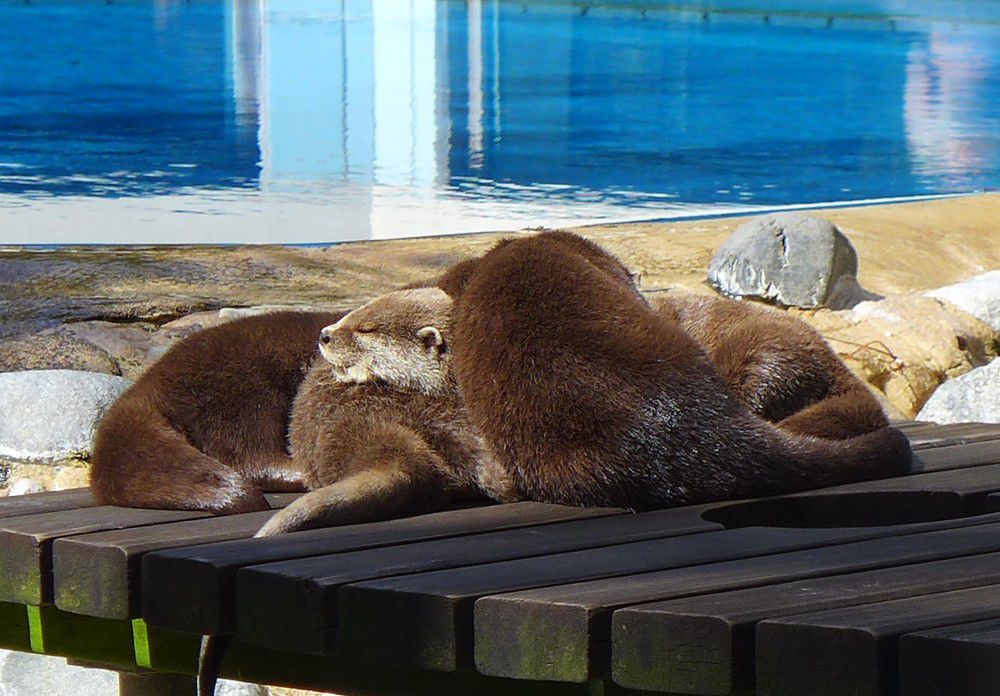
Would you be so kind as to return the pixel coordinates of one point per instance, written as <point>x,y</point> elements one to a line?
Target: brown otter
<point>205,427</point>
<point>777,365</point>
<point>585,395</point>
<point>378,427</point>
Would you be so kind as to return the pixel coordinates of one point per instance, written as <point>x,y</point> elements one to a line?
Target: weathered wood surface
<point>426,620</point>
<point>50,501</point>
<point>571,624</point>
<point>26,543</point>
<point>193,589</point>
<point>98,574</point>
<point>304,593</point>
<point>542,599</point>
<point>955,660</point>
<point>705,644</point>
<point>853,651</point>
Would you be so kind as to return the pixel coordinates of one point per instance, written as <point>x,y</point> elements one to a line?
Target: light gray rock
<point>972,397</point>
<point>978,296</point>
<point>230,313</point>
<point>789,259</point>
<point>24,486</point>
<point>50,415</point>
<point>27,674</point>
<point>227,687</point>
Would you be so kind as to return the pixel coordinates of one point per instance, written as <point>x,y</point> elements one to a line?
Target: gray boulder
<point>51,415</point>
<point>972,397</point>
<point>789,259</point>
<point>978,296</point>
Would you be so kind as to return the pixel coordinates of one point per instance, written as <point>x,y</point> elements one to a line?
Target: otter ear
<point>432,338</point>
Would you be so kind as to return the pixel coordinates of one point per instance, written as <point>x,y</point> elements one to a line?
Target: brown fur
<point>585,395</point>
<point>377,442</point>
<point>778,366</point>
<point>205,428</point>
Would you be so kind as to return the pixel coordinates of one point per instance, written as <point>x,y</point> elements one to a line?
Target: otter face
<point>398,338</point>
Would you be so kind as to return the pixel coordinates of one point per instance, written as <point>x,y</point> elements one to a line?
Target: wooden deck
<point>887,587</point>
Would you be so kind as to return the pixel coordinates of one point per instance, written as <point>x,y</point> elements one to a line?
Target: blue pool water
<point>326,120</point>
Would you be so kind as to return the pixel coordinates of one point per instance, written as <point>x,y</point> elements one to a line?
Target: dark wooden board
<point>14,631</point>
<point>98,574</point>
<point>193,590</point>
<point>426,620</point>
<point>906,499</point>
<point>292,604</point>
<point>934,435</point>
<point>26,543</point>
<point>571,624</point>
<point>705,644</point>
<point>854,650</point>
<point>51,501</point>
<point>957,456</point>
<point>962,660</point>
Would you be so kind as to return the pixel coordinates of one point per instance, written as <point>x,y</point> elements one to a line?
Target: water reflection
<point>313,121</point>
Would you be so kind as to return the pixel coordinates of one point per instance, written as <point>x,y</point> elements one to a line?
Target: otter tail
<point>848,414</point>
<point>819,463</point>
<point>142,460</point>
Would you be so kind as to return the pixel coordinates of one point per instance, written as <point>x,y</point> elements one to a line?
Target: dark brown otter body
<point>585,395</point>
<point>778,366</point>
<point>205,428</point>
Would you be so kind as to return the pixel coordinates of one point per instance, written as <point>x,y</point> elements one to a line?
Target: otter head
<point>399,338</point>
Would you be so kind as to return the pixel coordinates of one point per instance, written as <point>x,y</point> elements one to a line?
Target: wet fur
<point>777,366</point>
<point>205,427</point>
<point>585,395</point>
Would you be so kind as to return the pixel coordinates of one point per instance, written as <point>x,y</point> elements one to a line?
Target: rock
<point>24,486</point>
<point>48,415</point>
<point>47,351</point>
<point>27,674</point>
<point>979,296</point>
<point>790,259</point>
<point>133,347</point>
<point>906,345</point>
<point>228,687</point>
<point>974,396</point>
<point>192,323</point>
<point>230,313</point>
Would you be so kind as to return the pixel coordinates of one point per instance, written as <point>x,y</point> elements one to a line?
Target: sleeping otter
<point>378,427</point>
<point>205,427</point>
<point>777,366</point>
<point>584,395</point>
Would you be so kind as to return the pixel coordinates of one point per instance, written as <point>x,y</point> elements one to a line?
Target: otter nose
<point>324,336</point>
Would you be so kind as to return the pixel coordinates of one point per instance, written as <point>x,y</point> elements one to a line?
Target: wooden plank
<point>292,605</point>
<point>571,624</point>
<point>705,644</point>
<point>907,499</point>
<point>854,650</point>
<point>193,590</point>
<point>130,645</point>
<point>26,544</point>
<point>98,574</point>
<point>954,434</point>
<point>957,456</point>
<point>14,633</point>
<point>426,621</point>
<point>51,501</point>
<point>963,659</point>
